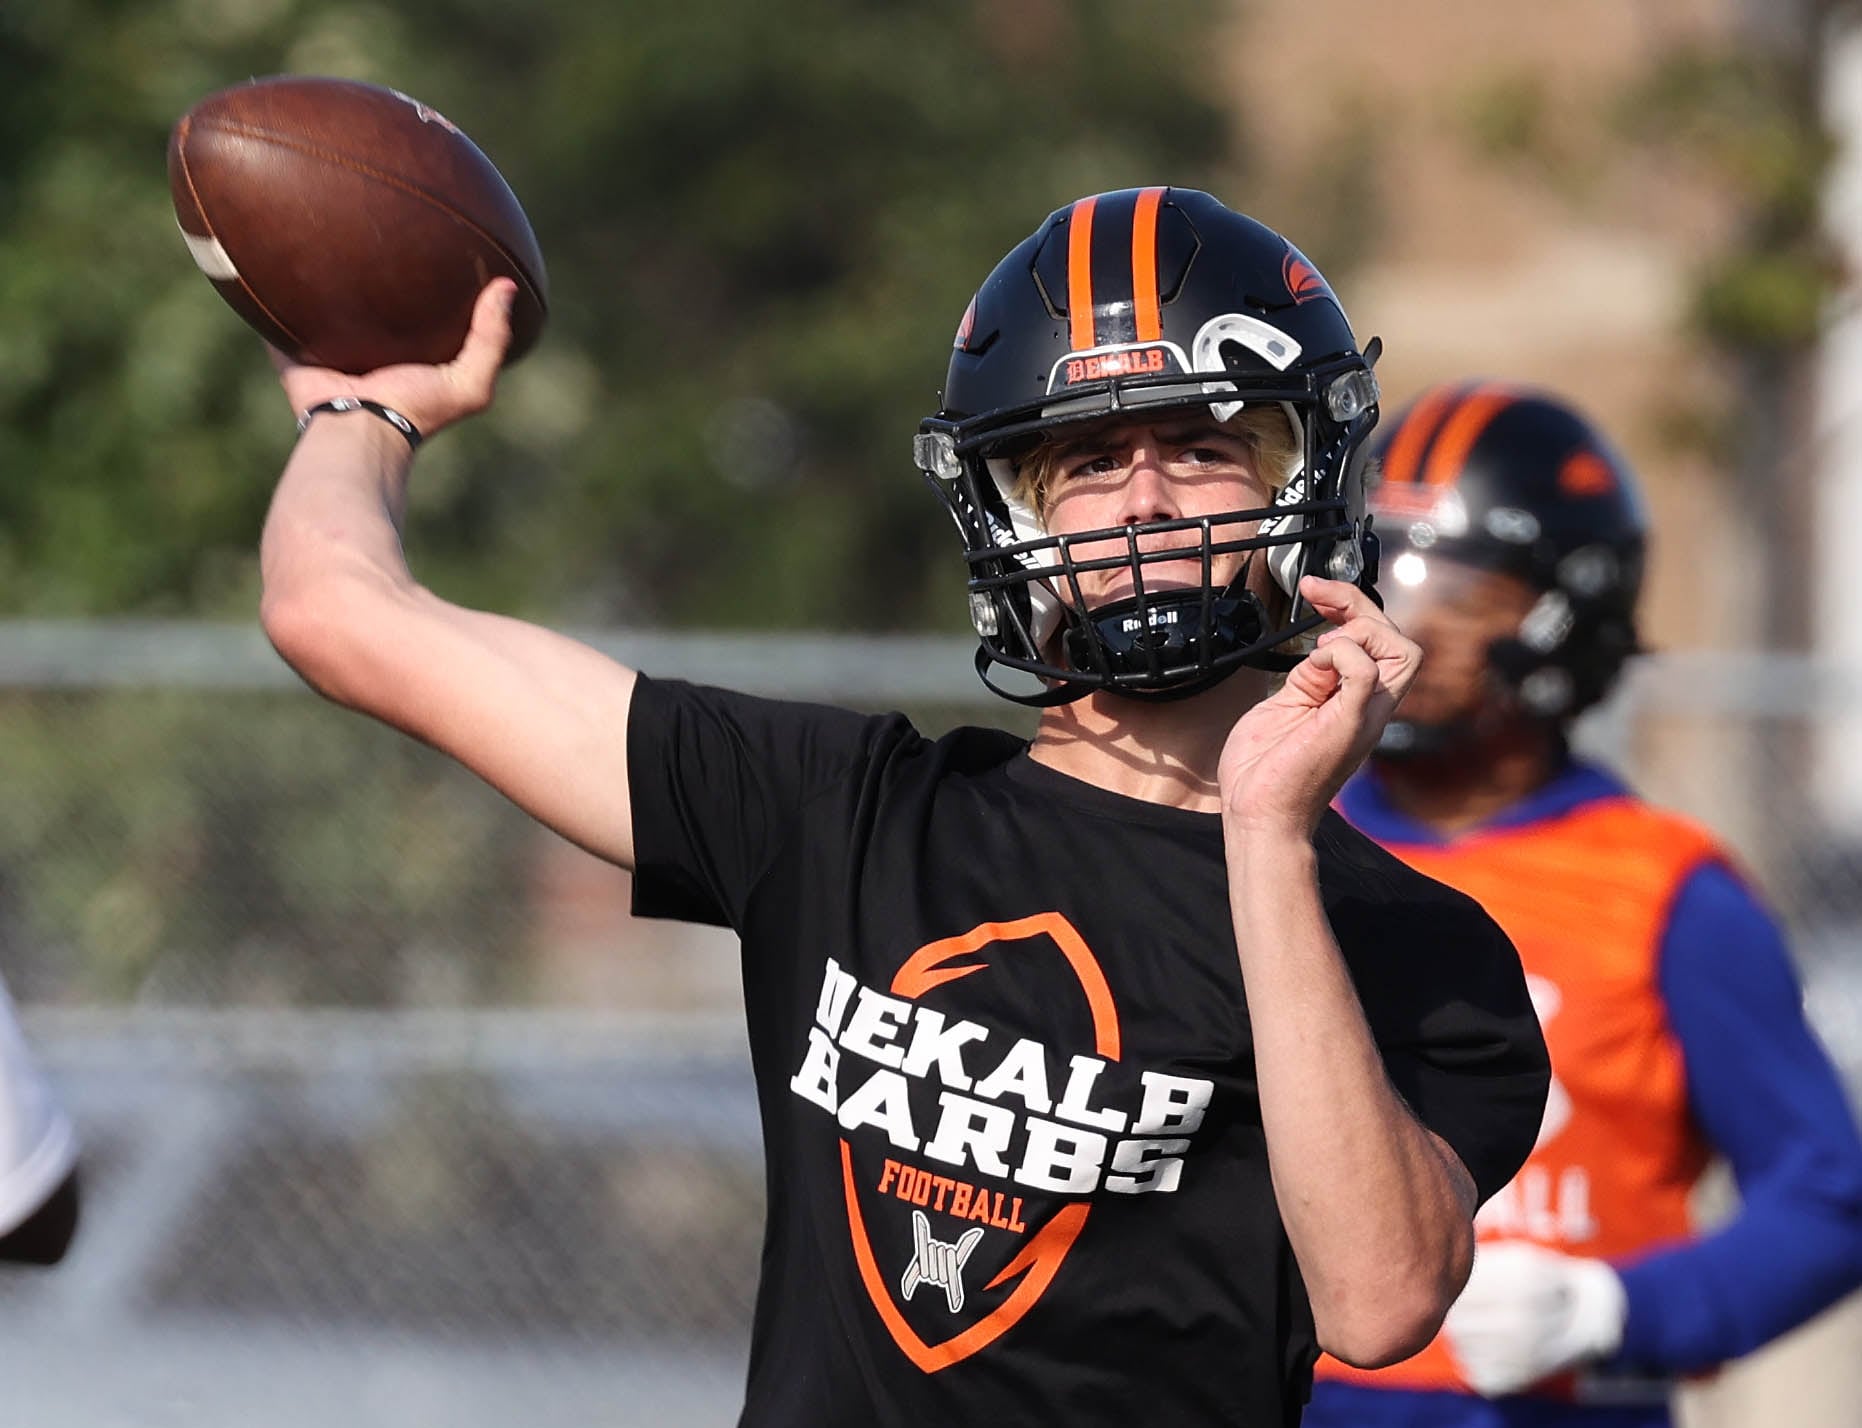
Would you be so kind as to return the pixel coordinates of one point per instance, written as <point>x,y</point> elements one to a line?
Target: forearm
<point>1767,1097</point>
<point>337,510</point>
<point>516,703</point>
<point>1378,1214</point>
<point>1768,1271</point>
<point>330,559</point>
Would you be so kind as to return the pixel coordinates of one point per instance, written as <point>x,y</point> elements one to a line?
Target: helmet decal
<point>1135,359</point>
<point>965,328</point>
<point>1302,278</point>
<point>1585,473</point>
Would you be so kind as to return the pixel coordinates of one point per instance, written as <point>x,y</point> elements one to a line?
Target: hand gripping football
<point>350,225</point>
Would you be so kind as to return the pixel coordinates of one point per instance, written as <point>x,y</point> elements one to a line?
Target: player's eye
<point>1090,464</point>
<point>1205,456</point>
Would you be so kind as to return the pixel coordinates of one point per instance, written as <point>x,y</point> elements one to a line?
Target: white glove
<point>1529,1312</point>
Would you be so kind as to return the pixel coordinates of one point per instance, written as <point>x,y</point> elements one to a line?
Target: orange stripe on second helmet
<point>1403,453</point>
<point>1462,430</point>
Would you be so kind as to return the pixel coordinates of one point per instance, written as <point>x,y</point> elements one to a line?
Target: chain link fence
<point>392,1114</point>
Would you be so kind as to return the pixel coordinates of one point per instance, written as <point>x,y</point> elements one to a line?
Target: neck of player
<point>1160,752</point>
<point>1471,783</point>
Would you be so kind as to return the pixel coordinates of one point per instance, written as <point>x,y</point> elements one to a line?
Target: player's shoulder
<point>1355,866</point>
<point>1374,897</point>
<point>1636,838</point>
<point>978,748</point>
<point>1671,821</point>
<point>1614,812</point>
<point>664,704</point>
<point>830,737</point>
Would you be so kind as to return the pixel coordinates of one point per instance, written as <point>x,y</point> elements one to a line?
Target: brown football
<point>350,225</point>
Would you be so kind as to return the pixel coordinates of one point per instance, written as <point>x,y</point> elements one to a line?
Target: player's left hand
<point>1286,757</point>
<point>1529,1312</point>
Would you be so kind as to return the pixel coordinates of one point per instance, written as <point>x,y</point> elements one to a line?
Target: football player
<point>38,1157</point>
<point>1513,543</point>
<point>1103,1079</point>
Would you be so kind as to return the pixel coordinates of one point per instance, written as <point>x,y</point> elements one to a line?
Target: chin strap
<point>1046,699</point>
<point>1072,691</point>
<point>1069,690</point>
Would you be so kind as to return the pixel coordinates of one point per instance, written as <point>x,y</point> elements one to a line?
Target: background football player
<point>1513,547</point>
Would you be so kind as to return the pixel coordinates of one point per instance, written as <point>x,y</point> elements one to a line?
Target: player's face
<point>1132,473</point>
<point>1455,612</point>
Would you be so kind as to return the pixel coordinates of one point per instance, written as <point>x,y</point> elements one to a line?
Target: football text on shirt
<point>996,1111</point>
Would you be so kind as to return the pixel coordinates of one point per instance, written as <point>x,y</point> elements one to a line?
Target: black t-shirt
<point>1016,1170</point>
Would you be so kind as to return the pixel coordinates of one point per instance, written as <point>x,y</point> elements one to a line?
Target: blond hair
<point>1267,430</point>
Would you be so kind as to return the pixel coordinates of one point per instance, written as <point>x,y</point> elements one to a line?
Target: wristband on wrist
<point>363,404</point>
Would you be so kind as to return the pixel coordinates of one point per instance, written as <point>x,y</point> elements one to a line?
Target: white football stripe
<point>211,257</point>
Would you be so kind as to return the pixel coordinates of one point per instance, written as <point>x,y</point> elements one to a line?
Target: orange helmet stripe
<point>1080,274</point>
<point>1411,439</point>
<point>1149,312</point>
<point>1462,429</point>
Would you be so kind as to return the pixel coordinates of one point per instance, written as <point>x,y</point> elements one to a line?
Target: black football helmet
<point>1140,301</point>
<point>1506,478</point>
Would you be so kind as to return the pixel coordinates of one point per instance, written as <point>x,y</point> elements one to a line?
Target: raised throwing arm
<point>539,716</point>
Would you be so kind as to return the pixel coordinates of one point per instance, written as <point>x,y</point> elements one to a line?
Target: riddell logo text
<point>997,1112</point>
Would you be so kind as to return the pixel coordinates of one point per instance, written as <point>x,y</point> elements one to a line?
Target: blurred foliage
<point>1747,116</point>
<point>1514,120</point>
<point>1750,118</point>
<point>762,223</point>
<point>1507,115</point>
<point>260,848</point>
<point>1338,198</point>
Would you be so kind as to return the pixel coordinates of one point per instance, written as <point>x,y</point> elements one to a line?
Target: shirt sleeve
<point>716,782</point>
<point>1446,1001</point>
<point>1767,1097</point>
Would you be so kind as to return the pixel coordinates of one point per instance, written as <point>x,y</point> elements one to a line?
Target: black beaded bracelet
<point>363,404</point>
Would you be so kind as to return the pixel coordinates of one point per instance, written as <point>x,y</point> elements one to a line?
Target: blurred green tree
<point>762,222</point>
<point>1751,115</point>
